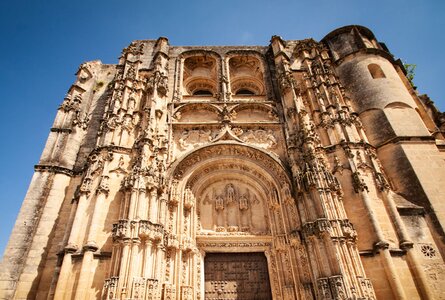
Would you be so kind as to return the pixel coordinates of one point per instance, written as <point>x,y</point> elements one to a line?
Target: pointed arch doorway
<point>238,211</point>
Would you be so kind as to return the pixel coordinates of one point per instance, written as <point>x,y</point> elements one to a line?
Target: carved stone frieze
<point>324,291</point>
<point>337,286</point>
<point>149,230</point>
<point>260,137</point>
<point>169,291</point>
<point>171,241</point>
<point>152,292</point>
<point>121,230</point>
<point>316,228</point>
<point>86,185</point>
<point>367,288</point>
<point>336,229</point>
<point>317,177</point>
<point>195,137</point>
<point>231,151</point>
<point>120,168</point>
<point>233,244</point>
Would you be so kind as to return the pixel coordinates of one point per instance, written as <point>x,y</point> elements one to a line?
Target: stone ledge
<point>54,169</point>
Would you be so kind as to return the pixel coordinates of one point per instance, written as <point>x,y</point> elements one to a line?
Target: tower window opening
<point>376,71</point>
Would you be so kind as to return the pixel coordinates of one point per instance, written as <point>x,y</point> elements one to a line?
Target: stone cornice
<point>54,169</point>
<point>67,130</point>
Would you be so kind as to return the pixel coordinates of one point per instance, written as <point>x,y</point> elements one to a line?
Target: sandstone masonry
<point>297,170</point>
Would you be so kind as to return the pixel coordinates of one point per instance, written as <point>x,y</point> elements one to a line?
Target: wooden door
<point>232,276</point>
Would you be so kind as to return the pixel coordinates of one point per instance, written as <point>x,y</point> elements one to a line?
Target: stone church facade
<point>297,170</point>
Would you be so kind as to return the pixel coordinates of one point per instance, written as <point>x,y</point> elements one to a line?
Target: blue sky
<point>43,43</point>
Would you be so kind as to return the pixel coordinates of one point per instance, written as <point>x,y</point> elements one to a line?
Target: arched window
<point>202,93</point>
<point>199,77</point>
<point>376,71</point>
<point>245,92</point>
<point>246,76</point>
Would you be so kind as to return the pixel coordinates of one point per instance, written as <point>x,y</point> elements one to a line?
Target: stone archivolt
<point>177,152</point>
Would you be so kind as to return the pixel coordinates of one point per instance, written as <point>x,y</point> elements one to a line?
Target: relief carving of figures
<point>245,218</point>
<point>263,138</point>
<point>219,207</point>
<point>230,193</point>
<point>232,209</point>
<point>193,138</point>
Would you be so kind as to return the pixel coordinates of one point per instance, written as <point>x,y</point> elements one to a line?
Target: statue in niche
<point>189,199</point>
<point>232,211</point>
<point>230,192</point>
<point>245,213</point>
<point>219,207</point>
<point>274,203</point>
<point>131,103</point>
<point>219,203</point>
<point>243,203</point>
<point>287,193</point>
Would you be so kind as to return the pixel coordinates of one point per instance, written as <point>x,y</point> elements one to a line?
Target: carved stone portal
<point>236,276</point>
